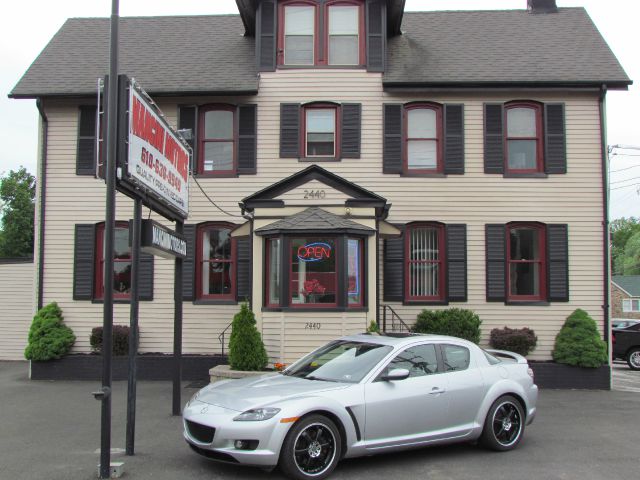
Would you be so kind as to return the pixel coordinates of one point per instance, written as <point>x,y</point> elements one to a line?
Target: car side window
<point>455,358</point>
<point>420,360</point>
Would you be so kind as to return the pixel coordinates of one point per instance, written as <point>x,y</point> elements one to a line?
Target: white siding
<point>473,199</point>
<point>17,305</point>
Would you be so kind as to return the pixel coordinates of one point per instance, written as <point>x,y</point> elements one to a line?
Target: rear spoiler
<point>505,354</point>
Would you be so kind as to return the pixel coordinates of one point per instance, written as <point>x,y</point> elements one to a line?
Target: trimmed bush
<point>120,342</point>
<point>456,322</point>
<point>49,337</point>
<point>246,350</point>
<point>579,342</point>
<point>518,340</point>
<point>373,327</point>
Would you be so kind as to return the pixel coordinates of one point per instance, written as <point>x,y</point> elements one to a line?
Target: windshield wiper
<point>311,377</point>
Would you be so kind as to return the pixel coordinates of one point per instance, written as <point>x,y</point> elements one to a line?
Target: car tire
<point>311,449</point>
<point>633,359</point>
<point>504,425</point>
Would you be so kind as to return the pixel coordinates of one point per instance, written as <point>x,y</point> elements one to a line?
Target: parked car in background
<point>361,395</point>
<point>626,345</point>
<point>623,322</point>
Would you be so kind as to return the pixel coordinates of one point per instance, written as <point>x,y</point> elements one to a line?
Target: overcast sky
<point>27,26</point>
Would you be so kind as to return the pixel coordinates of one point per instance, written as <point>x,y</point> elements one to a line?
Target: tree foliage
<point>246,350</point>
<point>579,342</point>
<point>17,194</point>
<point>622,230</point>
<point>49,337</point>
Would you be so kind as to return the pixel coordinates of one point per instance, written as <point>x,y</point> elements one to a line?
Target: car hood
<point>247,393</point>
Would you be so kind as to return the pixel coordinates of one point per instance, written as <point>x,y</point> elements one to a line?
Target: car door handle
<point>437,391</point>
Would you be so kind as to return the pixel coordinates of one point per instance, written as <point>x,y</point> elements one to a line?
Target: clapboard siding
<point>473,199</point>
<point>17,302</point>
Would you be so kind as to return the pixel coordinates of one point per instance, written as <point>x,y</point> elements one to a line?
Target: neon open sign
<point>314,252</point>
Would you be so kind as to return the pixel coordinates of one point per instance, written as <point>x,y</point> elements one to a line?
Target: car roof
<point>400,339</point>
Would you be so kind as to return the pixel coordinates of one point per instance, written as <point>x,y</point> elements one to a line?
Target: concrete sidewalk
<point>51,430</point>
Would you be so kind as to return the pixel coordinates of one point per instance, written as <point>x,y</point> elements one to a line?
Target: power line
<point>622,181</point>
<point>625,186</point>
<point>624,169</point>
<point>624,155</point>
<point>211,201</point>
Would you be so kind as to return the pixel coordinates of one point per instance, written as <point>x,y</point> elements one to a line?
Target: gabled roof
<point>166,55</point>
<point>359,196</point>
<point>628,283</point>
<point>498,47</point>
<point>314,220</point>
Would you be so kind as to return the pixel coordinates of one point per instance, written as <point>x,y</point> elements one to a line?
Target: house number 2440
<point>312,326</point>
<point>314,194</point>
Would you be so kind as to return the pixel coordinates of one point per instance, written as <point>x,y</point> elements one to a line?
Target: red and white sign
<point>158,160</point>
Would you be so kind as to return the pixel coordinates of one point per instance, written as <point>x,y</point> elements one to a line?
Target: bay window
<point>215,262</point>
<point>313,271</point>
<point>424,263</point>
<point>526,269</point>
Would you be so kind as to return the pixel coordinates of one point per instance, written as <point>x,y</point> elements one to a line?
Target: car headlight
<point>257,415</point>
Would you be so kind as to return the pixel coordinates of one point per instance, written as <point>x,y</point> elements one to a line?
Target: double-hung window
<point>217,140</point>
<point>316,33</point>
<point>320,131</point>
<point>215,262</point>
<point>423,127</point>
<point>523,139</point>
<point>526,258</point>
<point>424,259</point>
<point>121,262</point>
<point>630,305</point>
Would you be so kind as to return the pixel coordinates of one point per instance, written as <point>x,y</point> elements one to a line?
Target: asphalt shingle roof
<point>314,219</point>
<point>190,54</point>
<point>501,46</point>
<point>629,283</point>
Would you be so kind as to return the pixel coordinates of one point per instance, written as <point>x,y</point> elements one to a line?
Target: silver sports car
<point>361,395</point>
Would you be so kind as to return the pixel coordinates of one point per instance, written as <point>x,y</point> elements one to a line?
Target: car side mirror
<point>396,374</point>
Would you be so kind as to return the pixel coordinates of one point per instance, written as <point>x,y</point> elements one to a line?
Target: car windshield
<point>340,361</point>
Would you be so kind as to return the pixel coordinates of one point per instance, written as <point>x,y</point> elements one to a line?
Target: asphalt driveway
<point>51,430</point>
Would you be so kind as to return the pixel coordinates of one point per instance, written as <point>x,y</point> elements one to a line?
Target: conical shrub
<point>246,350</point>
<point>578,343</point>
<point>49,337</point>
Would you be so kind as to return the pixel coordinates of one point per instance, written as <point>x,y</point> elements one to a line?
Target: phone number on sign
<point>160,170</point>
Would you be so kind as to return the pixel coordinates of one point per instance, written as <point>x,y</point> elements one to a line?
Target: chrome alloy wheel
<point>507,424</point>
<point>634,359</point>
<point>314,449</point>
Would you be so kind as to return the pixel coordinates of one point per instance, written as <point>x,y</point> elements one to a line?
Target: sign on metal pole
<point>159,240</point>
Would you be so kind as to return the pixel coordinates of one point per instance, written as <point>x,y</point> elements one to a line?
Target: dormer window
<point>321,33</point>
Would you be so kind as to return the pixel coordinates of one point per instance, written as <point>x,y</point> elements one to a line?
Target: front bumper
<point>269,435</point>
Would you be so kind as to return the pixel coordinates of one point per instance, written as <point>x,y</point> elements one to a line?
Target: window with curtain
<point>217,139</point>
<point>425,262</point>
<point>423,139</point>
<point>527,265</point>
<point>121,262</point>
<point>524,138</point>
<point>215,267</point>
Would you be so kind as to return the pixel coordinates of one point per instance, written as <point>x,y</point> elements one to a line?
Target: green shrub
<point>579,342</point>
<point>120,340</point>
<point>455,322</point>
<point>49,337</point>
<point>246,350</point>
<point>518,340</point>
<point>373,327</point>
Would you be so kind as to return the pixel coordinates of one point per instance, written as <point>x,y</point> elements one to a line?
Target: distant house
<point>625,296</point>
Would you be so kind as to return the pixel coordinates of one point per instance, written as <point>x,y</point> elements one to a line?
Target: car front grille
<point>201,433</point>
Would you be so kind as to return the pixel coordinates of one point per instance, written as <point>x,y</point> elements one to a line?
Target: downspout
<point>605,211</point>
<point>43,192</point>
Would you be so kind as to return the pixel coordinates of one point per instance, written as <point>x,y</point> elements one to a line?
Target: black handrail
<point>399,326</point>
<point>221,337</point>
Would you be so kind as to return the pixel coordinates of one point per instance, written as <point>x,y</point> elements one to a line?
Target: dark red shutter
<point>393,274</point>
<point>493,138</point>
<point>456,263</point>
<point>495,241</point>
<point>86,151</point>
<point>247,138</point>
<point>376,35</point>
<point>84,261</point>
<point>350,131</point>
<point>392,154</point>
<point>555,148</point>
<point>289,130</point>
<point>454,139</point>
<point>558,263</point>
<point>266,36</point>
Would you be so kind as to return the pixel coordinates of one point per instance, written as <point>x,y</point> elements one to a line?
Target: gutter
<point>43,192</point>
<point>605,213</point>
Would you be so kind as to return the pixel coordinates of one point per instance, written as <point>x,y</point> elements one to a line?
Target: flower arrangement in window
<point>311,289</point>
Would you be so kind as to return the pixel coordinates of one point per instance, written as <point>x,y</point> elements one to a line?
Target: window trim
<point>320,33</point>
<point>202,110</point>
<point>438,108</point>
<point>337,110</point>
<point>361,271</point>
<point>267,272</point>
<point>629,301</point>
<point>539,138</point>
<point>442,262</point>
<point>198,295</point>
<point>98,281</point>
<point>542,242</point>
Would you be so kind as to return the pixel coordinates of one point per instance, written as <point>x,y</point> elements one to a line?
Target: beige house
<point>350,158</point>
